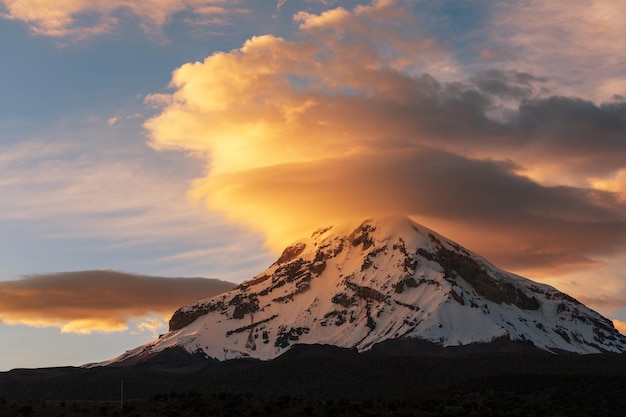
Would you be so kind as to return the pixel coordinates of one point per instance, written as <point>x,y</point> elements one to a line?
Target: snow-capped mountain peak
<point>357,285</point>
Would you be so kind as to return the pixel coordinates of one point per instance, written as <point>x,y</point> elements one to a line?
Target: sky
<point>142,142</point>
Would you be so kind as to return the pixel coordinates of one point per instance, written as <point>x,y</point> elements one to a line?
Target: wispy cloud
<point>117,194</point>
<point>604,301</point>
<point>47,180</point>
<point>579,44</point>
<point>88,301</point>
<point>79,19</point>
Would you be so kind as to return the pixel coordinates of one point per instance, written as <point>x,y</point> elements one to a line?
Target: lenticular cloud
<point>351,120</point>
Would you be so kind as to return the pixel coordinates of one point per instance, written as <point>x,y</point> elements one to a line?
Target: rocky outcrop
<point>184,316</point>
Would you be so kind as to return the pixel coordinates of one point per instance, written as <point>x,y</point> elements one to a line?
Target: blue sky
<point>117,153</point>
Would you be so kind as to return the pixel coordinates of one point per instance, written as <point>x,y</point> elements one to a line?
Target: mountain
<point>377,282</point>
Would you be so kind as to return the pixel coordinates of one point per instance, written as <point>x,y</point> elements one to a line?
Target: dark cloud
<point>575,137</point>
<point>103,300</point>
<point>581,137</point>
<point>575,130</point>
<point>510,85</point>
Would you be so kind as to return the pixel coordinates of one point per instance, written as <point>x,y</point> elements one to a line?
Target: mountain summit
<point>389,278</point>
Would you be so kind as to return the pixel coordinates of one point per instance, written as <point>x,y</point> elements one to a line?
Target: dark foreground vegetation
<point>557,395</point>
<point>329,382</point>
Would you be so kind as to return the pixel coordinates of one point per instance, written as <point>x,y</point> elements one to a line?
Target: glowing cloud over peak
<point>340,124</point>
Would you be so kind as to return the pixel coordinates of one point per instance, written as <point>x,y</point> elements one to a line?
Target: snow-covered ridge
<point>357,285</point>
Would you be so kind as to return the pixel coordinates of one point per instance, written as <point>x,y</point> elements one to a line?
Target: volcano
<point>389,279</point>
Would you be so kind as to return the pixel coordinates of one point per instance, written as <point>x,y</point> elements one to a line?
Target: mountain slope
<point>390,278</point>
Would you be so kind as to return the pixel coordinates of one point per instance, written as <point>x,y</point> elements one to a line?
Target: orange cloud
<point>615,183</point>
<point>66,18</point>
<point>620,326</point>
<point>87,301</point>
<point>330,17</point>
<point>607,302</point>
<point>482,204</point>
<point>338,124</point>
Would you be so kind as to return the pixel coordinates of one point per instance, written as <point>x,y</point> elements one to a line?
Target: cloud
<point>615,183</point>
<point>80,19</point>
<point>510,218</point>
<point>578,44</point>
<point>620,326</point>
<point>616,302</point>
<point>343,122</point>
<point>151,325</point>
<point>99,300</point>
